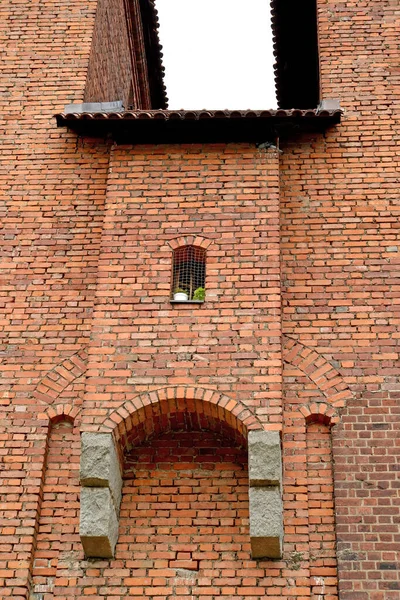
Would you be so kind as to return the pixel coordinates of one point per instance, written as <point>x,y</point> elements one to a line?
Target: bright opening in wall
<point>217,53</point>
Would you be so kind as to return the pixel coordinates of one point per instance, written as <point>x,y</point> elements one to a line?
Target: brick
<point>300,257</point>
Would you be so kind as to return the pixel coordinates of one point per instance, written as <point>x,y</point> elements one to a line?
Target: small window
<point>188,274</point>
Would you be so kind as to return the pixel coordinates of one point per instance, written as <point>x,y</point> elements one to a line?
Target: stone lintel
<point>265,458</point>
<point>98,526</point>
<point>100,465</point>
<point>266,522</point>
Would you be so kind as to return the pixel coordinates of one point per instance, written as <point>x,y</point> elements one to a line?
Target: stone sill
<point>187,301</point>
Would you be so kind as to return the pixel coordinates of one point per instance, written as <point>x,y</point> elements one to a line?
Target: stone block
<point>94,107</point>
<point>100,465</point>
<point>266,522</point>
<point>98,526</point>
<point>265,458</point>
<point>329,104</point>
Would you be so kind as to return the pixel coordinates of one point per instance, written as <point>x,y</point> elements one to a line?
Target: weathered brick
<point>301,255</point>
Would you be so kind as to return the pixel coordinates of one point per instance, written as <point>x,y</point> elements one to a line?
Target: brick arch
<point>60,377</point>
<point>189,240</point>
<point>179,408</point>
<point>320,412</point>
<point>325,377</point>
<point>60,413</point>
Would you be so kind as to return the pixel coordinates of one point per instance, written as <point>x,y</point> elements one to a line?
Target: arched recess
<point>178,409</point>
<point>60,377</point>
<point>56,422</point>
<point>308,461</point>
<point>321,510</point>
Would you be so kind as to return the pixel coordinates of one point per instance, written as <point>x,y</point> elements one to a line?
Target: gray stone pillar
<point>101,490</point>
<point>265,494</point>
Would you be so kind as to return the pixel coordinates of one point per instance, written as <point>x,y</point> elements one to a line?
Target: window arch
<point>188,274</point>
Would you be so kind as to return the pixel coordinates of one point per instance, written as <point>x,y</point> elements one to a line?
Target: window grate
<point>189,274</point>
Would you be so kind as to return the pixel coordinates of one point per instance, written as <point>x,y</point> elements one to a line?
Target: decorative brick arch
<point>189,240</point>
<point>59,378</point>
<point>320,412</point>
<point>327,379</point>
<point>172,407</point>
<point>61,412</point>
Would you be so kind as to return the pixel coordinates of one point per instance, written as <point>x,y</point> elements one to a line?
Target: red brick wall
<point>51,199</point>
<point>340,232</point>
<point>184,518</point>
<point>321,514</point>
<point>333,206</point>
<point>59,508</point>
<point>110,71</point>
<point>367,497</point>
<point>227,195</point>
<point>52,195</point>
<point>183,527</point>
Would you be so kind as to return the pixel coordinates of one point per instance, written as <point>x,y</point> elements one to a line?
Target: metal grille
<point>189,272</point>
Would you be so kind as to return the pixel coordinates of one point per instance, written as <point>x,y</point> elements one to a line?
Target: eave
<point>203,126</point>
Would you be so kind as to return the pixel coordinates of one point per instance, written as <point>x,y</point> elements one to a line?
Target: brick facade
<point>110,69</point>
<point>298,332</point>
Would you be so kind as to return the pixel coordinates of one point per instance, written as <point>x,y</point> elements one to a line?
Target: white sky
<point>217,53</point>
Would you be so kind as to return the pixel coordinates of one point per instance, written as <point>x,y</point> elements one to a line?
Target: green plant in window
<point>199,294</point>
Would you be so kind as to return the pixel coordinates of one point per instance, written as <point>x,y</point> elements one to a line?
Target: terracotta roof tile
<point>198,126</point>
<point>196,115</point>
